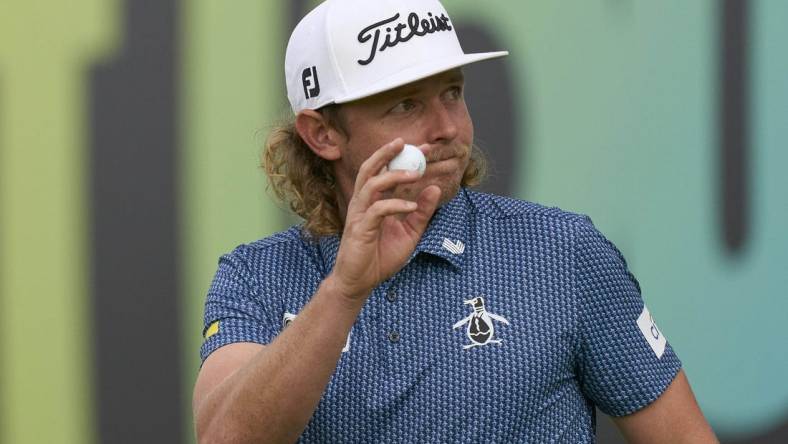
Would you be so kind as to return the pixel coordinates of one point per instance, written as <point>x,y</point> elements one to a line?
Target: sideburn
<point>335,117</point>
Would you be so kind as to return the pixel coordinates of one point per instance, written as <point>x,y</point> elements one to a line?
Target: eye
<point>454,93</point>
<point>404,106</point>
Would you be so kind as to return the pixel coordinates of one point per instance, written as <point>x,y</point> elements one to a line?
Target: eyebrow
<point>458,76</point>
<point>409,90</point>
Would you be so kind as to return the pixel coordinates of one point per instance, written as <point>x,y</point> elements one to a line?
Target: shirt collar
<point>447,235</point>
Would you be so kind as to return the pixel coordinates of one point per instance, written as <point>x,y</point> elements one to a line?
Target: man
<point>407,307</point>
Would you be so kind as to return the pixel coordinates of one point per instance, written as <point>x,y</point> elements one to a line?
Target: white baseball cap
<point>346,50</point>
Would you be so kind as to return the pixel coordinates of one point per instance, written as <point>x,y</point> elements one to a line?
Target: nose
<point>442,125</point>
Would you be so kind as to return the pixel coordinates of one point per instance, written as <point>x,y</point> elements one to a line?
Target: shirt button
<point>391,295</point>
<point>394,336</point>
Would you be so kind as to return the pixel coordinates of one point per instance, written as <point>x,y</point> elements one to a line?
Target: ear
<point>321,137</point>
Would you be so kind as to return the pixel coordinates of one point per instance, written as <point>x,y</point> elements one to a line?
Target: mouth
<point>442,157</point>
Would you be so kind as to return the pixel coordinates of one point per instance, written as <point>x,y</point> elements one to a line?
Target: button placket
<point>392,315</point>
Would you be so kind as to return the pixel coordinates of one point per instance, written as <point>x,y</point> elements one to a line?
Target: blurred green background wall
<point>130,134</point>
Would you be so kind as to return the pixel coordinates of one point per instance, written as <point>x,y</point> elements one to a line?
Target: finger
<point>377,185</point>
<point>383,208</point>
<point>427,202</point>
<point>426,149</point>
<point>375,163</point>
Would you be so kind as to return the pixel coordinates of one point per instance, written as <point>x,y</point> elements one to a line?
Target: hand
<point>380,233</point>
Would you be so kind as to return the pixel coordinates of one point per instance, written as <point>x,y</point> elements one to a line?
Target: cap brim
<point>422,71</point>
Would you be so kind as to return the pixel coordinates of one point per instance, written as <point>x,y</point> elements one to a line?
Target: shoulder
<point>516,211</point>
<point>279,253</point>
<point>542,224</point>
<point>287,240</point>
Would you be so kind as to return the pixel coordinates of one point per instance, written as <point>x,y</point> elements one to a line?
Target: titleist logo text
<point>401,33</point>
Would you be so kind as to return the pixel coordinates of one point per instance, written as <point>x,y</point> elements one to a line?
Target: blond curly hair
<point>305,182</point>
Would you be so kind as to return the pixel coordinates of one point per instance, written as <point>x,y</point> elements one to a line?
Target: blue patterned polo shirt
<point>510,322</point>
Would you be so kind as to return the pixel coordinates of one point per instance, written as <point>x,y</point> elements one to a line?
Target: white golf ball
<point>411,158</point>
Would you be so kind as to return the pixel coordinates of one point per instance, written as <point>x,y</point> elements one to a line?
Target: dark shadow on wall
<point>733,125</point>
<point>298,9</point>
<point>777,435</point>
<point>492,98</point>
<point>135,279</point>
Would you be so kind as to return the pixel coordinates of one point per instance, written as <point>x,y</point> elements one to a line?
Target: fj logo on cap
<point>311,82</point>
<point>400,33</point>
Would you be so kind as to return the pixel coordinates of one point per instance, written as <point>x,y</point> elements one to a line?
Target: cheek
<point>357,152</point>
<point>466,126</point>
<point>350,162</point>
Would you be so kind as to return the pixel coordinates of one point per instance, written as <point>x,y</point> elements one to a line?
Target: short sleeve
<point>235,311</point>
<point>619,368</point>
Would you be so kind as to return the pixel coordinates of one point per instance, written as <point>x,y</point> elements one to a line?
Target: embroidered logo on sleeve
<point>652,334</point>
<point>212,330</point>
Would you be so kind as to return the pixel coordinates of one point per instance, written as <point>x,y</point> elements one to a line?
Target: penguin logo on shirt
<point>480,324</point>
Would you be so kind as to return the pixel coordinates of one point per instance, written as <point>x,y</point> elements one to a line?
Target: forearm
<point>274,391</point>
<point>674,417</point>
<point>272,398</point>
